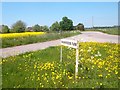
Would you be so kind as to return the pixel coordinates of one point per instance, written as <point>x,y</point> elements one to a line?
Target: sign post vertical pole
<point>61,53</point>
<point>77,57</point>
<point>73,44</point>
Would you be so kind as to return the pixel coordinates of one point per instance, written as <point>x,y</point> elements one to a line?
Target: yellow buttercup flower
<point>100,75</point>
<point>116,72</point>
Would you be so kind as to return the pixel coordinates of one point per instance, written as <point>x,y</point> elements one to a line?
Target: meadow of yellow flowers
<point>98,68</point>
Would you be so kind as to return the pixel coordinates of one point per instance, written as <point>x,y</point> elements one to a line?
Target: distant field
<point>98,68</point>
<point>16,39</point>
<point>113,31</point>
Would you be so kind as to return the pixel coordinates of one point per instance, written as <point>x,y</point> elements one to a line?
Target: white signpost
<point>72,44</point>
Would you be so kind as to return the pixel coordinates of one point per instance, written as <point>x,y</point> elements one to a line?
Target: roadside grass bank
<point>29,39</point>
<point>98,68</point>
<point>112,31</point>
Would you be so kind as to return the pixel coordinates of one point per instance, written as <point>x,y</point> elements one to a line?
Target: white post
<point>61,53</point>
<point>77,57</point>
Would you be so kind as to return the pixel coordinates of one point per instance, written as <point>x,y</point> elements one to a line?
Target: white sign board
<point>73,44</point>
<point>69,43</point>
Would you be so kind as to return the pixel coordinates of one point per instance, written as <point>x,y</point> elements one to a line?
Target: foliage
<point>18,27</point>
<point>66,24</point>
<point>36,28</point>
<point>55,26</point>
<point>5,29</point>
<point>80,27</point>
<point>9,40</point>
<point>98,68</point>
<point>45,28</point>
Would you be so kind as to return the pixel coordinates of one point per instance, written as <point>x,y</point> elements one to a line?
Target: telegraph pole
<point>92,22</point>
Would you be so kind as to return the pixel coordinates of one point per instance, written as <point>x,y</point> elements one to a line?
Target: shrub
<point>80,27</point>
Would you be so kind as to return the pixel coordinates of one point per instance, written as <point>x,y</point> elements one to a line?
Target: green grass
<point>112,31</point>
<point>9,42</point>
<point>0,76</point>
<point>42,69</point>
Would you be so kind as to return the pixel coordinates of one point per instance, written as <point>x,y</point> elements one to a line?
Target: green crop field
<point>98,68</point>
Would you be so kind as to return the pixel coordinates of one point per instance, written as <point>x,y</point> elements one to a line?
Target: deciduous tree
<point>36,28</point>
<point>5,29</point>
<point>19,26</point>
<point>55,26</point>
<point>66,24</point>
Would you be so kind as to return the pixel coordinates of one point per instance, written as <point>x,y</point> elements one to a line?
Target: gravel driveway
<point>86,36</point>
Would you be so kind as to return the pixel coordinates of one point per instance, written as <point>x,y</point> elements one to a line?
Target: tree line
<point>65,24</point>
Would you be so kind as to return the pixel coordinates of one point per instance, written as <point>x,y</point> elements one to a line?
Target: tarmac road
<point>86,36</point>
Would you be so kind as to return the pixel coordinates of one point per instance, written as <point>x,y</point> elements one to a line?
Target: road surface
<point>86,36</point>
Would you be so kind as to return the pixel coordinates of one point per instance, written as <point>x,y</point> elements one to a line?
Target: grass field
<point>112,31</point>
<point>16,40</point>
<point>98,68</point>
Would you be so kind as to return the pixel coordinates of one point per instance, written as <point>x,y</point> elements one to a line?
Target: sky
<point>46,13</point>
<point>60,0</point>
